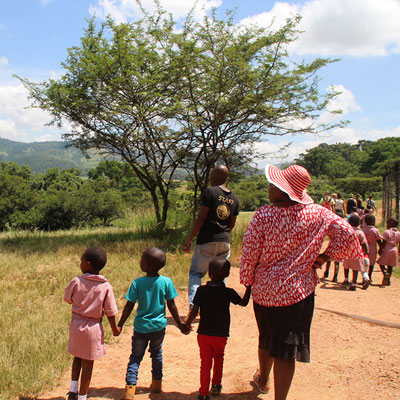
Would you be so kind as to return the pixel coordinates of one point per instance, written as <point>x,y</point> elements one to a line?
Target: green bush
<point>363,186</point>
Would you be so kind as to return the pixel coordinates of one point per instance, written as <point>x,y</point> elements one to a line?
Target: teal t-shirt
<point>151,293</point>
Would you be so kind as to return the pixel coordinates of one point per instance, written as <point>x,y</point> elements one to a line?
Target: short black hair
<point>370,219</point>
<point>219,268</point>
<point>96,256</point>
<point>354,219</point>
<point>155,257</point>
<point>393,221</point>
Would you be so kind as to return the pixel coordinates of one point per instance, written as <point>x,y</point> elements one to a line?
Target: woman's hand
<point>320,261</point>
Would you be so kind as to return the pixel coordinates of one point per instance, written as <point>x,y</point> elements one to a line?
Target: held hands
<point>184,328</point>
<point>117,331</point>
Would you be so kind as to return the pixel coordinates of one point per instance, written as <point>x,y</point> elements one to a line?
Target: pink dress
<point>91,297</point>
<point>373,235</point>
<point>390,255</point>
<point>357,264</point>
<point>281,245</point>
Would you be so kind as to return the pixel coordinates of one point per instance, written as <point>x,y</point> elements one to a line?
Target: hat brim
<point>275,176</point>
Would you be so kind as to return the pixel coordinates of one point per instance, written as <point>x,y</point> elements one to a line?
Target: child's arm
<point>116,330</point>
<point>365,248</point>
<point>175,314</point>
<point>246,297</point>
<point>192,316</point>
<point>126,313</point>
<point>381,246</point>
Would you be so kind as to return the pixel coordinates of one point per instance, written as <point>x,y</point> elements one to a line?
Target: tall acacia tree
<point>240,87</point>
<point>118,96</point>
<point>161,98</point>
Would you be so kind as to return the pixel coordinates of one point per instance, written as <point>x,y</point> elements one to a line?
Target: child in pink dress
<point>91,297</point>
<point>357,264</point>
<point>389,253</point>
<point>373,238</point>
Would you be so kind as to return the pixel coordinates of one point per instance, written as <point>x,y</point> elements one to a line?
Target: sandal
<point>261,388</point>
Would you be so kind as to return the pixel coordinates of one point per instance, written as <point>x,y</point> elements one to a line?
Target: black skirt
<point>285,331</point>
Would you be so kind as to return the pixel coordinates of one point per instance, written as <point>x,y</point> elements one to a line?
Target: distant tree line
<point>63,199</point>
<point>350,168</point>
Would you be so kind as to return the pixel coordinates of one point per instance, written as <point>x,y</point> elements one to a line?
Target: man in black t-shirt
<point>216,219</point>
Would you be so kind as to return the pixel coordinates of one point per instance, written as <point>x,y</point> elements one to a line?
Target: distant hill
<point>40,156</point>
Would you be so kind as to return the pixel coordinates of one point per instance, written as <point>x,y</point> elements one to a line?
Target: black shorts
<point>285,331</point>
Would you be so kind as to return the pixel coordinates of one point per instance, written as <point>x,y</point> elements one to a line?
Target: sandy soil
<point>350,359</point>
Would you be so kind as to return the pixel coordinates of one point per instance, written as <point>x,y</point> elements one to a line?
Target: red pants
<point>211,348</point>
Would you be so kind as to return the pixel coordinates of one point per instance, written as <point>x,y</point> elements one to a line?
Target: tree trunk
<point>156,205</point>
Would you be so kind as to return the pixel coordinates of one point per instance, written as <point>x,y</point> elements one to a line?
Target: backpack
<point>327,204</point>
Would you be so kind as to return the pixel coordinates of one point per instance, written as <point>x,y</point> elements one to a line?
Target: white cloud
<point>3,62</point>
<point>345,101</point>
<point>302,143</point>
<point>275,18</point>
<point>341,27</point>
<point>8,130</point>
<point>125,10</point>
<point>20,122</point>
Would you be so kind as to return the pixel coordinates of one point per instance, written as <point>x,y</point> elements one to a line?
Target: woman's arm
<point>344,243</point>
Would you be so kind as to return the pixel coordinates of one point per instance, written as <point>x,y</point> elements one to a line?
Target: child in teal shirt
<point>151,292</point>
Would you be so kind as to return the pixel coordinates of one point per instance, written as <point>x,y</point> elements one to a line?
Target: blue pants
<point>139,345</point>
<point>203,254</point>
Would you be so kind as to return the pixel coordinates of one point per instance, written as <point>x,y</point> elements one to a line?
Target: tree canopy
<point>366,158</point>
<point>55,199</point>
<point>161,99</point>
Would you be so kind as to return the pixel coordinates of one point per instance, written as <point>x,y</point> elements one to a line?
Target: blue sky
<point>364,34</point>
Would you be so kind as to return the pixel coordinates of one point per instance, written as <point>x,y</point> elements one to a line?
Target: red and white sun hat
<point>293,181</point>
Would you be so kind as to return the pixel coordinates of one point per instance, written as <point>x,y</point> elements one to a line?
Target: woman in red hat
<point>280,254</point>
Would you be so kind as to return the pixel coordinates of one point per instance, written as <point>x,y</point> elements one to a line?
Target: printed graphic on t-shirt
<point>223,211</point>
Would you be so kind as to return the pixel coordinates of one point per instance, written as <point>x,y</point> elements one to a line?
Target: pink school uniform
<point>390,255</point>
<point>357,264</point>
<point>373,235</point>
<point>91,297</point>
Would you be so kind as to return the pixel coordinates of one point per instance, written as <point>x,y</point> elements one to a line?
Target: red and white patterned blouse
<point>281,245</point>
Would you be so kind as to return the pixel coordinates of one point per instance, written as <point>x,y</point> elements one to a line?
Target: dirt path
<point>350,359</point>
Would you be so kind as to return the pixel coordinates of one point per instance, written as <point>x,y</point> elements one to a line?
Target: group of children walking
<point>373,244</point>
<point>92,296</point>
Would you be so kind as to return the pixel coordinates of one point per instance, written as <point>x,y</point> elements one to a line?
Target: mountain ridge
<point>40,156</point>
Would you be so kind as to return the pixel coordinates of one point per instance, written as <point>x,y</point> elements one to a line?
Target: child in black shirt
<point>213,301</point>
